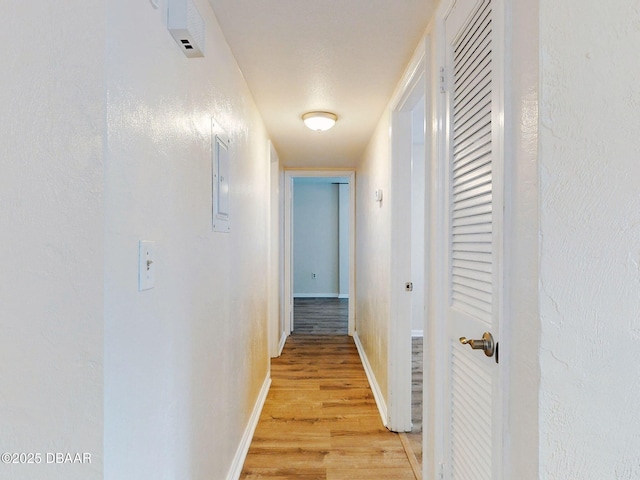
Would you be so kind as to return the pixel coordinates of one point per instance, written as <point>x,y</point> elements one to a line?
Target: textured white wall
<point>589,240</point>
<point>373,250</point>
<point>184,362</point>
<point>315,238</point>
<point>521,321</point>
<point>51,245</point>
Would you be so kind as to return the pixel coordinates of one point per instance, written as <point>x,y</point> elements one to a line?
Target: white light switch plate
<point>146,265</point>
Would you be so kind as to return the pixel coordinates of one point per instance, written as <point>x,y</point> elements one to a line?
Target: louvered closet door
<point>472,426</point>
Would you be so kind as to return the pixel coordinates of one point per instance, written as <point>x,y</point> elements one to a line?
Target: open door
<point>473,244</point>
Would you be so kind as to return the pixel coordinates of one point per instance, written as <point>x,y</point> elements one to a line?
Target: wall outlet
<point>313,275</point>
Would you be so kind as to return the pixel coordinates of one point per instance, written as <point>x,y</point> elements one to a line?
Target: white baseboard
<point>373,383</point>
<point>343,295</point>
<point>417,333</point>
<point>245,443</point>
<point>283,340</point>
<point>315,295</point>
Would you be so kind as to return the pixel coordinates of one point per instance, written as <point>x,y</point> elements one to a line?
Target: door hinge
<point>441,473</point>
<point>443,80</point>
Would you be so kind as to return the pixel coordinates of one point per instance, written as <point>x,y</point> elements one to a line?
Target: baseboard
<point>417,333</point>
<point>283,340</point>
<point>343,295</point>
<point>315,295</point>
<point>373,383</point>
<point>245,443</point>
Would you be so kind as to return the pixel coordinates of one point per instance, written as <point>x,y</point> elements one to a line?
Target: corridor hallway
<point>320,420</point>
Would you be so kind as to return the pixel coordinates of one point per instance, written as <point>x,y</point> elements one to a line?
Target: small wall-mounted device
<point>186,26</point>
<point>146,265</point>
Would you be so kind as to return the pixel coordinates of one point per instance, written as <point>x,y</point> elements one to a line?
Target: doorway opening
<point>409,176</point>
<point>319,241</point>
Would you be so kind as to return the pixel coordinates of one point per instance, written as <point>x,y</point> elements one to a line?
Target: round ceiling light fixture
<point>319,121</point>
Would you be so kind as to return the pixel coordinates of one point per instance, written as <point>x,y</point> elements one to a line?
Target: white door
<point>473,199</point>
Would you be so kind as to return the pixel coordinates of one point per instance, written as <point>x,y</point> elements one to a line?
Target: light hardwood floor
<point>320,420</point>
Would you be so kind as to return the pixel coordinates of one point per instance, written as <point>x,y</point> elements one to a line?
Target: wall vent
<point>186,26</point>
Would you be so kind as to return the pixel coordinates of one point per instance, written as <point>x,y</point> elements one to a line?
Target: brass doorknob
<point>485,343</point>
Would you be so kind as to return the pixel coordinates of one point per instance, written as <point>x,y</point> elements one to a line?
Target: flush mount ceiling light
<point>319,121</point>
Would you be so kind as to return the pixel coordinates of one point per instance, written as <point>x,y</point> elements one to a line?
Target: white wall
<point>185,361</point>
<point>51,245</point>
<point>373,250</point>
<point>520,355</point>
<point>381,276</point>
<point>589,240</point>
<point>315,238</point>
<point>277,333</point>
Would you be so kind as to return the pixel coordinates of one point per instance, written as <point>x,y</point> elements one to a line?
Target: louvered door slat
<point>470,296</point>
<point>475,112</point>
<point>473,257</point>
<point>474,220</point>
<point>480,169</point>
<point>479,94</point>
<point>480,187</point>
<point>476,137</point>
<point>469,212</point>
<point>470,304</point>
<point>470,419</point>
<point>467,281</point>
<point>474,30</point>
<point>472,266</point>
<point>471,181</point>
<point>473,157</point>
<point>474,274</point>
<point>474,238</point>
<point>477,76</point>
<point>474,60</point>
<point>465,96</point>
<point>466,74</point>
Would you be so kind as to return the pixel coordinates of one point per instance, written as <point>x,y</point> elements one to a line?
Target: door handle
<point>486,343</point>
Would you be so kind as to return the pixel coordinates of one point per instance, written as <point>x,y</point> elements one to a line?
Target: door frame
<point>434,443</point>
<point>289,175</point>
<point>413,88</point>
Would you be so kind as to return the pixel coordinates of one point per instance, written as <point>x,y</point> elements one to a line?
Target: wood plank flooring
<point>320,420</point>
<point>415,436</point>
<point>320,316</point>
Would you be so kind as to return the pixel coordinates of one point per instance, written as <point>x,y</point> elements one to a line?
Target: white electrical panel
<point>220,167</point>
<point>186,26</point>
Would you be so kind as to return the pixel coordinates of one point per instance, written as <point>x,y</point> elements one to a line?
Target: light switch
<point>146,265</point>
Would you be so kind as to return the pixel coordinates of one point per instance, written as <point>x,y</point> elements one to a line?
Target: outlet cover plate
<point>146,265</point>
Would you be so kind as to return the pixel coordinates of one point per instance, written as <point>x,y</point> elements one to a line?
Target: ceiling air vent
<point>186,26</point>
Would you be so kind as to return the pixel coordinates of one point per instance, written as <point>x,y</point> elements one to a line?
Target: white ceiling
<point>342,56</point>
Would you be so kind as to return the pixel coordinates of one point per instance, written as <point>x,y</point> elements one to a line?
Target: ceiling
<point>342,56</point>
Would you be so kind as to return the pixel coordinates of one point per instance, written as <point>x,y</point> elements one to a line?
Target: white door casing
<point>471,246</point>
<point>401,258</point>
<point>289,175</point>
